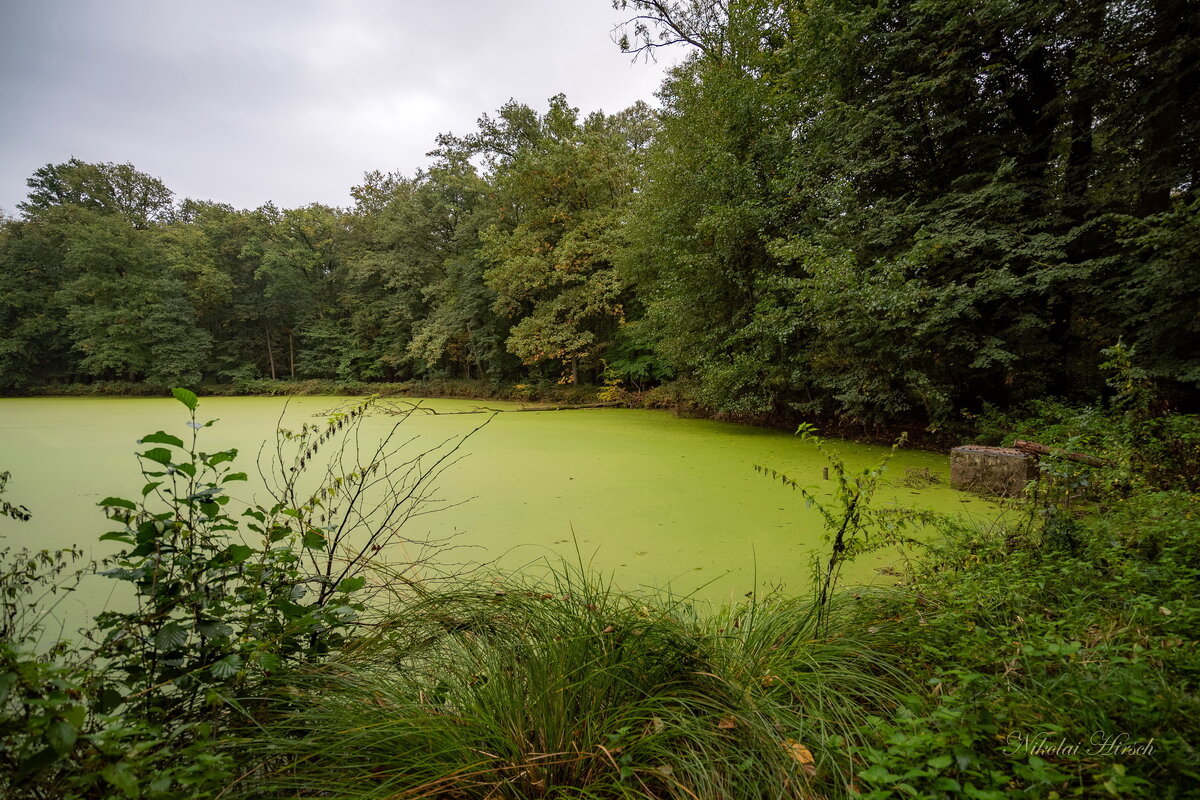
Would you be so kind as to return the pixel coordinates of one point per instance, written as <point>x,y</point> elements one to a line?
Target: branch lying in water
<point>406,407</point>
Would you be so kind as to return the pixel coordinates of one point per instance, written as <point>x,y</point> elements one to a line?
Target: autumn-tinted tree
<point>563,185</point>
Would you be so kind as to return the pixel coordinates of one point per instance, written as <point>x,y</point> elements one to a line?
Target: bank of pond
<point>597,603</point>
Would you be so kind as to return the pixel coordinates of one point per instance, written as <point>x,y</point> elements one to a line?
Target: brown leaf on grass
<point>802,755</point>
<point>727,723</point>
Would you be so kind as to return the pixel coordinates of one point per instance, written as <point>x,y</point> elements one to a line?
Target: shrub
<point>224,603</point>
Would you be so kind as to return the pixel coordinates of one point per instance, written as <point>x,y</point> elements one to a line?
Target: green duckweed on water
<point>646,497</point>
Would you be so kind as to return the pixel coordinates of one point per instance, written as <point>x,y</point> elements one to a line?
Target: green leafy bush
<point>1034,656</point>
<point>223,604</point>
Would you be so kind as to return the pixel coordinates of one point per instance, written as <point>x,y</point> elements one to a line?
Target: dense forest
<point>905,209</point>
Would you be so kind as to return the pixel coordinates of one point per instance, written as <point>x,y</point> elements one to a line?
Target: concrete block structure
<point>1000,471</point>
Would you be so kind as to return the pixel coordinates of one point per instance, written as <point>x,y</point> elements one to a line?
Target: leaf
<point>61,736</point>
<point>74,715</point>
<point>122,777</point>
<point>352,584</point>
<point>235,476</point>
<point>239,552</point>
<point>117,536</point>
<point>802,755</point>
<point>941,762</point>
<point>106,699</point>
<point>268,662</point>
<point>221,457</point>
<point>161,438</point>
<point>159,454</point>
<point>214,629</point>
<point>150,487</point>
<point>227,667</point>
<point>877,773</point>
<point>313,540</point>
<point>117,502</point>
<point>727,723</point>
<point>36,763</point>
<point>170,637</point>
<point>187,397</point>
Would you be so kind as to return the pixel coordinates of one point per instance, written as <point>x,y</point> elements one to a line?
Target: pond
<point>644,497</point>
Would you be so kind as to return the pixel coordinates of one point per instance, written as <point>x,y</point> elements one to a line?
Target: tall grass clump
<point>566,688</point>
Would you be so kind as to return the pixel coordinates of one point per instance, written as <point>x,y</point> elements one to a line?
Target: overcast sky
<point>245,101</point>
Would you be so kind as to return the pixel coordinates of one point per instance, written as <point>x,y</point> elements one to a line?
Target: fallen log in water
<point>1035,449</point>
<point>396,407</point>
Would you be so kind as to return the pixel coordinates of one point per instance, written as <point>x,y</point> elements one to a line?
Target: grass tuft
<point>514,689</point>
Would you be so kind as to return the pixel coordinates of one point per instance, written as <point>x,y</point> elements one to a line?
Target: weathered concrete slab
<point>999,471</point>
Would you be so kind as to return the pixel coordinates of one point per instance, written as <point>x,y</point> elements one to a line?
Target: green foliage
<point>896,212</point>
<point>8,509</point>
<point>506,688</point>
<point>210,608</point>
<point>1144,450</point>
<point>852,526</point>
<point>1041,664</point>
<point>40,714</point>
<point>224,603</point>
<point>110,189</point>
<point>416,278</point>
<point>631,358</point>
<point>911,208</point>
<point>562,197</point>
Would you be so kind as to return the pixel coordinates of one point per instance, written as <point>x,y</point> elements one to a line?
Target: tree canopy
<point>903,210</point>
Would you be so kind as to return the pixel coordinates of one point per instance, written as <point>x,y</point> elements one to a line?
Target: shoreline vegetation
<point>677,397</point>
<point>1051,654</point>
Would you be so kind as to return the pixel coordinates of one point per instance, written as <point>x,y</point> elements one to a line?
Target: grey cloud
<point>286,101</point>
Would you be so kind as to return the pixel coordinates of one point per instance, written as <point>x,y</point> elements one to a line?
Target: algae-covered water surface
<point>645,497</point>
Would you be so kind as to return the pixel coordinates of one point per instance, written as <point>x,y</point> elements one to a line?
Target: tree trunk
<point>292,353</point>
<point>1079,159</point>
<point>1163,97</point>
<point>270,354</point>
<point>1033,448</point>
<point>475,353</point>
